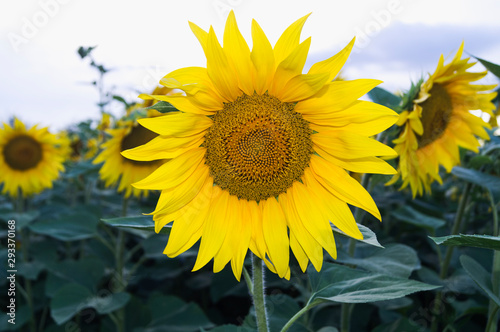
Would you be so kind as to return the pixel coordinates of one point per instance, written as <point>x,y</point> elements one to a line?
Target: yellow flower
<point>30,159</point>
<point>440,122</point>
<point>119,169</point>
<point>259,151</point>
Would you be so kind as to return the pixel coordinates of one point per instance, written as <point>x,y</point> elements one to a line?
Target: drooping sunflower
<point>259,152</point>
<point>30,159</point>
<point>440,122</point>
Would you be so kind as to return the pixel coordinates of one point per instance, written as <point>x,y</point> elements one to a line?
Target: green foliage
<point>480,276</point>
<point>82,265</point>
<point>162,107</point>
<point>478,241</point>
<point>384,97</point>
<point>339,283</point>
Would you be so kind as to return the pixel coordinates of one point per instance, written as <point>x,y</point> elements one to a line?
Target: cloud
<point>403,52</point>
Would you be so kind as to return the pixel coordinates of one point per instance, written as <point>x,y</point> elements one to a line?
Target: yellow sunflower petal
<point>173,172</point>
<point>219,69</point>
<point>238,53</point>
<point>263,59</point>
<point>289,40</point>
<point>343,186</point>
<point>275,234</point>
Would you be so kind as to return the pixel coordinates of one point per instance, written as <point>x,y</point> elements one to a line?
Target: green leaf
<point>121,100</point>
<point>72,298</point>
<point>411,216</point>
<point>226,285</point>
<point>87,271</point>
<point>281,308</point>
<point>144,223</point>
<point>369,237</point>
<point>480,276</point>
<point>84,167</point>
<point>397,260</point>
<point>474,240</point>
<point>478,161</point>
<point>171,314</point>
<point>492,68</point>
<point>484,180</point>
<point>232,328</point>
<point>384,97</point>
<point>22,219</point>
<point>84,51</point>
<point>162,107</point>
<point>30,270</point>
<point>21,318</point>
<point>338,283</point>
<point>68,226</point>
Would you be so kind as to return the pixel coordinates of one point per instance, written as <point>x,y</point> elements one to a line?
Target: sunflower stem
<point>259,300</point>
<point>495,273</point>
<point>457,223</point>
<point>119,259</point>
<point>347,308</point>
<point>25,257</point>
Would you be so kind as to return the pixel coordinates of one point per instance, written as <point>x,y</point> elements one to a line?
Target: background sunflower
<point>439,122</point>
<point>30,159</point>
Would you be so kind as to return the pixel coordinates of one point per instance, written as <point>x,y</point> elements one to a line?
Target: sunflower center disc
<point>137,136</point>
<point>436,114</point>
<point>22,152</point>
<point>257,147</point>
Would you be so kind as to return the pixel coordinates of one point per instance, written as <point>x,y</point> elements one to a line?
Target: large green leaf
<point>397,260</point>
<point>488,181</point>
<point>87,271</point>
<point>280,308</point>
<point>478,241</point>
<point>72,298</point>
<point>340,283</point>
<point>68,226</point>
<point>480,276</point>
<point>143,223</point>
<point>384,97</point>
<point>170,313</point>
<point>369,237</point>
<point>411,216</point>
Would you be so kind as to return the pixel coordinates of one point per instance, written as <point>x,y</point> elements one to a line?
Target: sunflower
<point>119,169</point>
<point>128,134</point>
<point>30,159</point>
<point>439,122</point>
<point>259,152</point>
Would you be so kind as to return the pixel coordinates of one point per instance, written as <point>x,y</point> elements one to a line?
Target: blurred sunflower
<point>129,134</point>
<point>439,122</point>
<point>258,148</point>
<point>30,159</point>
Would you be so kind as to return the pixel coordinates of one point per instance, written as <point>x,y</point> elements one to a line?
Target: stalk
<point>259,301</point>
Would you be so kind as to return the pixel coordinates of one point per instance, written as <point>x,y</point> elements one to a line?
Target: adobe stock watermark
<point>381,18</point>
<point>30,27</point>
<point>223,7</point>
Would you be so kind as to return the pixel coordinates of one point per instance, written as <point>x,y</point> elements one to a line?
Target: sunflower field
<point>251,195</point>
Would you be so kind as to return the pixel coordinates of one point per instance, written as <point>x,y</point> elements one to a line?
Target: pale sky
<point>45,81</point>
